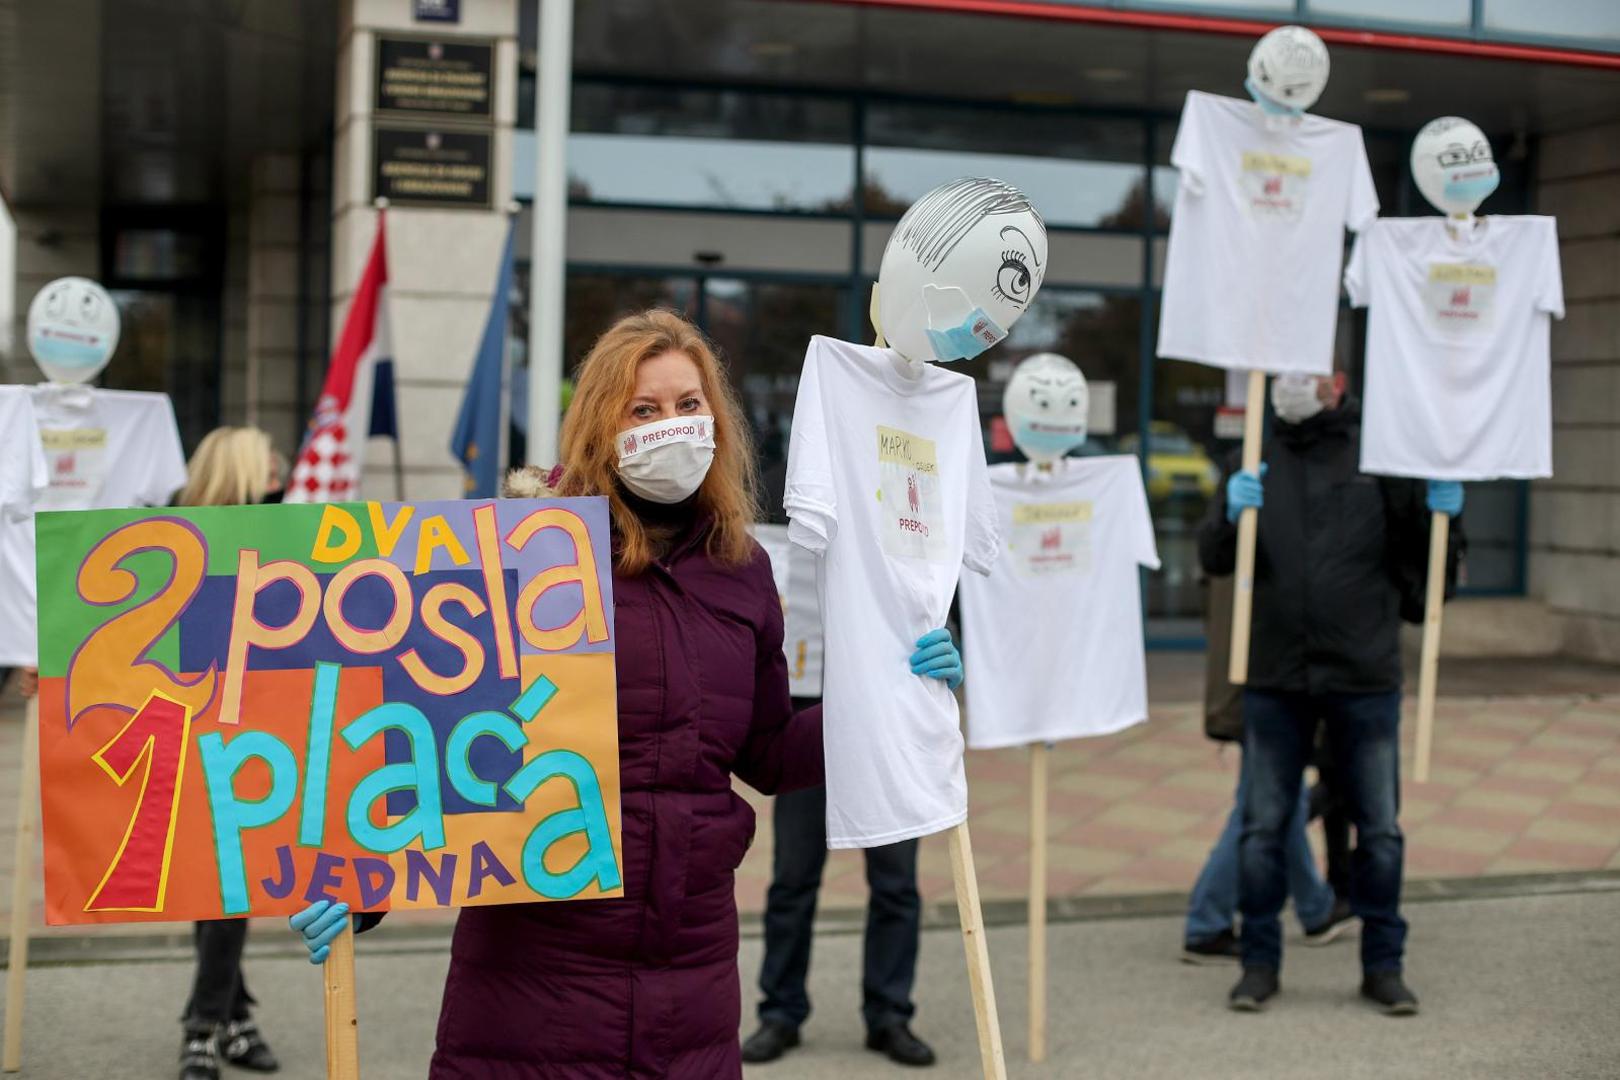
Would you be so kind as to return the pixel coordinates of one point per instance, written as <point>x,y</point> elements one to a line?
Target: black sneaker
<point>1330,930</point>
<point>199,1051</point>
<point>1257,986</point>
<point>246,1049</point>
<point>901,1046</point>
<point>1389,991</point>
<point>770,1042</point>
<point>1223,948</point>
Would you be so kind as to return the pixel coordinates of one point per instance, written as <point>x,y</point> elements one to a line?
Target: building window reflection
<point>1079,171</point>
<point>1101,182</point>
<point>721,149</point>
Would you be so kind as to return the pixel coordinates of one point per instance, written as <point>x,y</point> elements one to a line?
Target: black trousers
<point>893,918</point>
<point>218,993</point>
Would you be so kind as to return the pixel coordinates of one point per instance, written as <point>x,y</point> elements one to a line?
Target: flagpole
<point>549,264</point>
<point>381,205</point>
<point>513,209</point>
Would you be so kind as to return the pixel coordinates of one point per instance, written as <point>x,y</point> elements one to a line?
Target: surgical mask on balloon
<point>666,461</point>
<point>1054,440</point>
<point>1294,397</point>
<point>1268,106</point>
<point>967,339</point>
<point>1473,189</point>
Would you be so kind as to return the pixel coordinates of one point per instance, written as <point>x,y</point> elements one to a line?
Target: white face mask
<point>1294,397</point>
<point>665,461</point>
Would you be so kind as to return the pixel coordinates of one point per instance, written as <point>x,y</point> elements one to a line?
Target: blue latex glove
<point>1445,497</point>
<point>319,925</point>
<point>1243,490</point>
<point>937,658</point>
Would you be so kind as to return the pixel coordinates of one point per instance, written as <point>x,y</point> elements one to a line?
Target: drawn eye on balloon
<point>89,305</point>
<point>55,301</point>
<point>1014,281</point>
<point>1456,154</point>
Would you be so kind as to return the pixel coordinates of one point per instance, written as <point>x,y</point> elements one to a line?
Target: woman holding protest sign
<point>647,985</point>
<point>233,466</point>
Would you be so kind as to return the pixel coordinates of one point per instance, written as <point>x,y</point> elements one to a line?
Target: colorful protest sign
<point>244,709</point>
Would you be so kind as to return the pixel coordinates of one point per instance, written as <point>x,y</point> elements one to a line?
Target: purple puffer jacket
<point>647,986</point>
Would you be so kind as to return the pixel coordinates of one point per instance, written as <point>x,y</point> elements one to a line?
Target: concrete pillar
<point>1575,516</point>
<point>442,263</point>
<point>271,354</point>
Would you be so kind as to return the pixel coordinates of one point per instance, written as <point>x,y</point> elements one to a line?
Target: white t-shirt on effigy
<point>23,479</point>
<point>794,570</point>
<point>1458,346</point>
<point>1252,275</point>
<point>887,482</point>
<point>1052,638</point>
<point>103,449</point>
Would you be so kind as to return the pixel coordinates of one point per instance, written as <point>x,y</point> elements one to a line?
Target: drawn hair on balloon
<point>938,222</point>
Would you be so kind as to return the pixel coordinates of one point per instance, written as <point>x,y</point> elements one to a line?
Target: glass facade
<point>646,158</point>
<point>1582,24</point>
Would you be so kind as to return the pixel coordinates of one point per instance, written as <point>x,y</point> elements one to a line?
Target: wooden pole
<point>1248,527</point>
<point>342,1024</point>
<point>1037,901</point>
<point>22,884</point>
<point>1429,667</point>
<point>978,955</point>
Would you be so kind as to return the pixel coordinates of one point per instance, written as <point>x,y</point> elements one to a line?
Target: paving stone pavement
<point>1528,783</point>
<point>1518,785</point>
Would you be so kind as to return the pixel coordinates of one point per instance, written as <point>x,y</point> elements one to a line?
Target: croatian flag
<point>357,400</point>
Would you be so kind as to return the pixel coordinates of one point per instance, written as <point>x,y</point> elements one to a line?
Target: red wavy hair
<point>603,388</point>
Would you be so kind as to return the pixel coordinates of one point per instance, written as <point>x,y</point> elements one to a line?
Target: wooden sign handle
<point>1248,528</point>
<point>978,955</point>
<point>342,1023</point>
<point>1429,666</point>
<point>22,885</point>
<point>1038,759</point>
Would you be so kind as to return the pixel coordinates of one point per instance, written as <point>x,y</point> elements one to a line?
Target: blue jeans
<point>1215,895</point>
<point>1362,740</point>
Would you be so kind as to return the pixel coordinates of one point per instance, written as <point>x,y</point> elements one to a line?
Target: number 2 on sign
<point>138,878</point>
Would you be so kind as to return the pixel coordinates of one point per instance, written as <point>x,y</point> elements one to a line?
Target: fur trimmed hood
<point>532,482</point>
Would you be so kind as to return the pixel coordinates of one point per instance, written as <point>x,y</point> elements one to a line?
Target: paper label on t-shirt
<point>908,488</point>
<point>1461,297</point>
<point>1275,184</point>
<point>76,460</point>
<point>1051,538</point>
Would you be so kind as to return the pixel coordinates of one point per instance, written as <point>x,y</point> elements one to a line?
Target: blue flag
<point>477,437</point>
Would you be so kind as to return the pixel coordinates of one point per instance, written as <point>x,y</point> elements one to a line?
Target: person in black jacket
<point>1341,560</point>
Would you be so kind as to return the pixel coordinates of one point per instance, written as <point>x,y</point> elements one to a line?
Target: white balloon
<point>1288,68</point>
<point>1046,404</point>
<point>1452,165</point>
<point>962,266</point>
<point>72,329</point>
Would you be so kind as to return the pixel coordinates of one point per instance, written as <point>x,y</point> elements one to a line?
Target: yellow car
<point>1177,466</point>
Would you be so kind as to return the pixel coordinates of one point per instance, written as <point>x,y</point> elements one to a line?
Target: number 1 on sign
<point>138,878</point>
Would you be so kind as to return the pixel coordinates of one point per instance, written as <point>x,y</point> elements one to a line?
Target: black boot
<point>1389,991</point>
<point>770,1042</point>
<point>900,1045</point>
<point>246,1049</point>
<point>199,1051</point>
<point>1257,986</point>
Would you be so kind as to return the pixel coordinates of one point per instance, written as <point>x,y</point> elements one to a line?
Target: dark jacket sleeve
<point>1217,537</point>
<point>783,749</point>
<point>1407,519</point>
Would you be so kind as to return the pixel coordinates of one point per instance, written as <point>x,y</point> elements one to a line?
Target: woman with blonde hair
<point>647,985</point>
<point>232,466</point>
